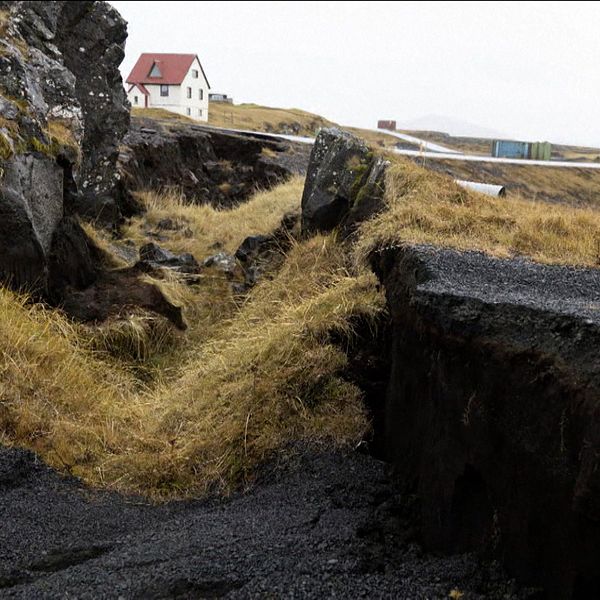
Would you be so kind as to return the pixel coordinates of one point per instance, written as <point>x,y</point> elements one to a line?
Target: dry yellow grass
<point>264,118</point>
<point>423,207</point>
<point>261,377</point>
<point>251,377</point>
<point>270,376</point>
<point>206,230</point>
<point>55,397</point>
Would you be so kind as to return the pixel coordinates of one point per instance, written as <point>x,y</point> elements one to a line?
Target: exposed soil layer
<point>492,415</point>
<point>328,525</point>
<point>205,165</point>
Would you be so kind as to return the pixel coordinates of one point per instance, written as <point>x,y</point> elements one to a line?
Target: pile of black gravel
<point>328,525</point>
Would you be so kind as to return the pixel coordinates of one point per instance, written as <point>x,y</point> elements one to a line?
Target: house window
<point>135,99</point>
<point>164,90</point>
<point>188,112</point>
<point>201,94</point>
<point>189,92</point>
<point>199,112</point>
<point>194,73</point>
<point>155,71</point>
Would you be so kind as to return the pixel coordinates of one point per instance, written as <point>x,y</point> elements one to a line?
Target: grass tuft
<point>424,207</point>
<point>133,406</point>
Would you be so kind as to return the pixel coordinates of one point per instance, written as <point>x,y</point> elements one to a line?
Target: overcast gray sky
<point>524,69</point>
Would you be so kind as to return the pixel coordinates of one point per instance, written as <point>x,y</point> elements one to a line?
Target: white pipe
<point>489,189</point>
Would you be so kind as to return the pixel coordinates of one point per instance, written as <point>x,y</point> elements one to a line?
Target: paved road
<point>433,151</point>
<point>492,159</point>
<point>423,144</point>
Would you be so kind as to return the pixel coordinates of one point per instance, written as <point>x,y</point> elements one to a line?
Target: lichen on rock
<point>58,144</point>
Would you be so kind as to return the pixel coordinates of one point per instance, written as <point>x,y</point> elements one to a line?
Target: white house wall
<point>132,95</point>
<point>194,103</point>
<point>177,100</point>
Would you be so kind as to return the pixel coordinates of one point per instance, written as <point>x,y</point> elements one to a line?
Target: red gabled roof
<point>139,86</point>
<point>173,68</point>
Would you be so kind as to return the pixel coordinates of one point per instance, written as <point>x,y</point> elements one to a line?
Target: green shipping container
<point>541,151</point>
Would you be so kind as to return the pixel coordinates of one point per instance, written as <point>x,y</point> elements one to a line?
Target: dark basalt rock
<point>117,293</point>
<point>72,73</point>
<point>154,256</point>
<point>205,165</point>
<point>492,414</point>
<point>58,69</point>
<point>344,183</point>
<point>73,262</point>
<point>259,253</point>
<point>31,209</point>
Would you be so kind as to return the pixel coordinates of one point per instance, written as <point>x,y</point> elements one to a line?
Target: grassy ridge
<point>247,379</point>
<point>425,207</point>
<point>136,406</point>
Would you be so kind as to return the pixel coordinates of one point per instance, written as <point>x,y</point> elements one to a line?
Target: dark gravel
<point>328,526</point>
<point>564,290</point>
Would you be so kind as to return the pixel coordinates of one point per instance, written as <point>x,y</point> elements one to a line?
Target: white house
<point>175,82</point>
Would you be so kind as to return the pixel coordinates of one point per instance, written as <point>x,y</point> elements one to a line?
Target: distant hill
<point>450,125</point>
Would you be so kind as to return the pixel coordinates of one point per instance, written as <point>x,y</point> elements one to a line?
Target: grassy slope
<point>552,184</point>
<point>247,379</point>
<point>136,406</point>
<point>424,207</point>
<point>262,118</point>
<point>574,186</point>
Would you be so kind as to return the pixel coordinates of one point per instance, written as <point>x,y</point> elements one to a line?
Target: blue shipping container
<point>510,149</point>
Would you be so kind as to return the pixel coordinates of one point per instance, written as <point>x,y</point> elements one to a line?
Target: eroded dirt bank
<point>492,409</point>
<point>204,164</point>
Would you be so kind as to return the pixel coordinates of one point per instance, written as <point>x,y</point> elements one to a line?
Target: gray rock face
<point>91,39</point>
<point>344,182</point>
<point>492,409</point>
<point>63,113</point>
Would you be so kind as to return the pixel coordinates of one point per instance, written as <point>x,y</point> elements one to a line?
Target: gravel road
<point>328,526</point>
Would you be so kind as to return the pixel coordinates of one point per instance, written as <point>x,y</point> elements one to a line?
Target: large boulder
<point>63,112</point>
<point>344,183</point>
<point>31,208</point>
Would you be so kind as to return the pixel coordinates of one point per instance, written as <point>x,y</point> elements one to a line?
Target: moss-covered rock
<point>344,183</point>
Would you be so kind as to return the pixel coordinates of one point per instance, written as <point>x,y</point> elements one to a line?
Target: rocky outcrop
<point>62,114</point>
<point>74,52</point>
<point>205,165</point>
<point>492,413</point>
<point>258,254</point>
<point>344,183</point>
<point>119,293</point>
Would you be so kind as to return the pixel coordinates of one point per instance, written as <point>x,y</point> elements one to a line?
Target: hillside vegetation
<point>573,186</point>
<point>425,207</point>
<point>250,377</point>
<point>254,117</point>
<point>134,405</point>
<point>579,187</point>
